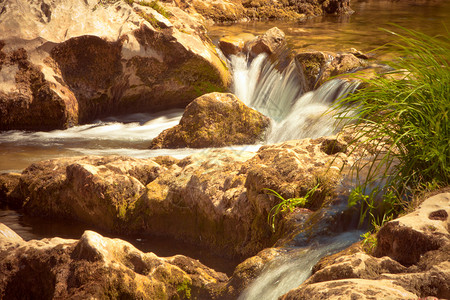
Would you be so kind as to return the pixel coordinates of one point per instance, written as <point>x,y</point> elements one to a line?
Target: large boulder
<point>412,261</point>
<point>214,120</point>
<point>68,63</point>
<point>318,66</point>
<point>97,267</point>
<point>216,197</point>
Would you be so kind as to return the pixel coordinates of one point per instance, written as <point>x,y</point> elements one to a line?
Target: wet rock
<point>61,70</point>
<point>214,120</point>
<point>98,267</point>
<point>232,45</point>
<point>319,66</point>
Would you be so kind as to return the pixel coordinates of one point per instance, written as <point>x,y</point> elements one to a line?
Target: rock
<point>214,120</point>
<point>95,190</point>
<point>350,289</point>
<point>413,261</point>
<point>427,228</point>
<point>232,45</point>
<point>99,267</point>
<point>66,64</point>
<point>242,10</point>
<point>8,192</point>
<point>319,66</point>
<point>216,198</point>
<point>271,41</point>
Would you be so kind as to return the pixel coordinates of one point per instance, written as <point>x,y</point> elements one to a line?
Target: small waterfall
<point>281,96</point>
<point>291,269</point>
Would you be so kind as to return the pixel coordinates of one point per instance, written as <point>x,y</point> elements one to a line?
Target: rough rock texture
<point>413,261</point>
<point>319,66</point>
<point>214,120</point>
<point>65,63</point>
<point>232,45</point>
<point>272,40</point>
<point>96,267</point>
<point>8,192</point>
<point>242,10</point>
<point>215,197</point>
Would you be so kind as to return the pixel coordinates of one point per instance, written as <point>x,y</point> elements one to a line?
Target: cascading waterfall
<point>289,270</point>
<point>281,96</point>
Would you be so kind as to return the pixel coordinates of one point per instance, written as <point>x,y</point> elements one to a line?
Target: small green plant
<point>149,18</point>
<point>287,204</point>
<point>184,289</point>
<point>369,242</point>
<point>404,115</point>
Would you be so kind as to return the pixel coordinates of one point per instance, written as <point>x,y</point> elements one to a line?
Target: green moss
<point>184,289</point>
<point>200,75</point>
<point>157,7</point>
<point>149,18</point>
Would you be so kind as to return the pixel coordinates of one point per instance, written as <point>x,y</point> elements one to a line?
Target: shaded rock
<point>61,70</point>
<point>319,66</point>
<point>418,229</point>
<point>8,194</point>
<point>98,267</point>
<point>214,120</point>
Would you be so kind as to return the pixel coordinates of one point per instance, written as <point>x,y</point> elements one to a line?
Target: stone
<point>8,192</point>
<point>271,41</point>
<point>99,267</point>
<point>350,289</point>
<point>214,120</point>
<point>65,64</point>
<point>233,45</point>
<point>418,229</point>
<point>318,66</point>
<point>412,260</point>
<point>216,198</point>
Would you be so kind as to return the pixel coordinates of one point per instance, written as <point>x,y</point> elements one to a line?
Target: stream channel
<point>295,115</point>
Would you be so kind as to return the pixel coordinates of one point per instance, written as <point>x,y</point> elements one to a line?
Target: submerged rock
<point>412,261</point>
<point>98,267</point>
<point>69,63</point>
<point>214,120</point>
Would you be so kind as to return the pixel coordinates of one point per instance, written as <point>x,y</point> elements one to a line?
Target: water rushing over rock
<point>291,269</point>
<point>284,97</point>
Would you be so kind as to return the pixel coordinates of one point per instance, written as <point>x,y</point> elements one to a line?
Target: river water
<point>259,85</point>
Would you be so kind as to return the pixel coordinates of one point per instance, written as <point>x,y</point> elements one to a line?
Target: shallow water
<point>31,228</point>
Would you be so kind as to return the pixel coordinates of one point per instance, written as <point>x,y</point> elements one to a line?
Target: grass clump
<point>405,115</point>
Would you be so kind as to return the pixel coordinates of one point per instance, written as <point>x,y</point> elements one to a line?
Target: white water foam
<point>280,96</point>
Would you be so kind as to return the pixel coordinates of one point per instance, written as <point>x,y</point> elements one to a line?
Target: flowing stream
<point>278,94</point>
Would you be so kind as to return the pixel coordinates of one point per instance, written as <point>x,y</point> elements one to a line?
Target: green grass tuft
<point>405,113</point>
